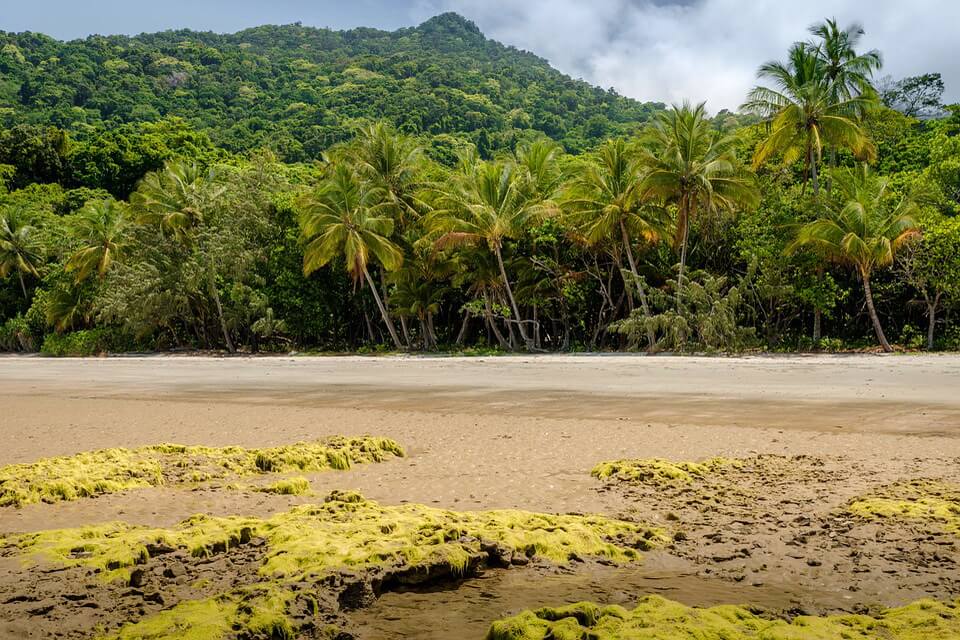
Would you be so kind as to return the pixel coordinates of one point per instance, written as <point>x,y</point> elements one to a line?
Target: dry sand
<point>498,432</point>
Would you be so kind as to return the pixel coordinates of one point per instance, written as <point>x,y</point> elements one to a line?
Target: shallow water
<point>465,610</point>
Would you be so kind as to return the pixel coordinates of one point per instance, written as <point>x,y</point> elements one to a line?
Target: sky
<point>651,50</point>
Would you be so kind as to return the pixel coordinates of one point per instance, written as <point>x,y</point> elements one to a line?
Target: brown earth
<point>524,432</point>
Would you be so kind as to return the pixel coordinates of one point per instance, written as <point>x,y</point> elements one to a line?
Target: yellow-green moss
<point>919,500</point>
<point>311,541</point>
<point>656,618</point>
<point>288,487</point>
<point>659,472</point>
<point>259,611</point>
<point>349,531</point>
<point>112,470</point>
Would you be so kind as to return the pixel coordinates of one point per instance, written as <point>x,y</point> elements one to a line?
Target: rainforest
<point>288,188</point>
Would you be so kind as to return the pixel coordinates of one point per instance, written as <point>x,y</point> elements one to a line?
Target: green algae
<point>659,472</point>
<point>310,542</point>
<point>288,487</point>
<point>348,531</point>
<point>113,470</point>
<point>925,501</point>
<point>657,618</point>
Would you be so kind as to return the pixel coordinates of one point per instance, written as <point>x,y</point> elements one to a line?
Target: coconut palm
<point>178,200</point>
<point>849,73</point>
<point>392,162</point>
<point>20,248</point>
<point>804,112</point>
<point>486,204</point>
<point>348,216</point>
<point>862,226</point>
<point>101,230</point>
<point>604,205</point>
<point>693,167</point>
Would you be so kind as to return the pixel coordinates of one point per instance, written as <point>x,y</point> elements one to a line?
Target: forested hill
<point>299,89</point>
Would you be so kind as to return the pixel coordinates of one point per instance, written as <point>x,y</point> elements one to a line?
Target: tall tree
<point>347,216</point>
<point>693,167</point>
<point>101,229</point>
<point>605,204</point>
<point>20,247</point>
<point>178,200</point>
<point>487,203</point>
<point>804,111</point>
<point>862,226</point>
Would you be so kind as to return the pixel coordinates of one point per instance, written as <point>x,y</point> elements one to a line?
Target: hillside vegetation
<point>298,188</point>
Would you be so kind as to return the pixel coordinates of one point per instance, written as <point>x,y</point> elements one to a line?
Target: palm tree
<point>101,229</point>
<point>862,227</point>
<point>20,249</point>
<point>391,162</point>
<point>692,166</point>
<point>348,216</point>
<point>604,204</point>
<point>848,72</point>
<point>178,200</point>
<point>487,204</point>
<point>805,112</point>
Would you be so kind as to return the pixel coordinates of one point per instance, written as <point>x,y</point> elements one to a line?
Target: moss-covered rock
<point>311,544</point>
<point>921,501</point>
<point>656,618</point>
<point>113,470</point>
<point>659,472</point>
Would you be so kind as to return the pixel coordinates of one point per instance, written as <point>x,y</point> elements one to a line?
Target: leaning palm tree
<point>486,204</point>
<point>604,205</point>
<point>20,248</point>
<point>348,216</point>
<point>804,112</point>
<point>101,230</point>
<point>692,166</point>
<point>179,200</point>
<point>862,227</point>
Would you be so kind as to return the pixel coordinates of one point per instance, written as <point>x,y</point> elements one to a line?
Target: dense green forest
<point>296,188</point>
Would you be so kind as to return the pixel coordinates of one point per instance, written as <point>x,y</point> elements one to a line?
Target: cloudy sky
<point>665,50</point>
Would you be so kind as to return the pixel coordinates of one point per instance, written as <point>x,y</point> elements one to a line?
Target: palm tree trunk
<point>212,284</point>
<point>405,330</point>
<point>683,250</point>
<point>431,331</point>
<point>931,319</point>
<point>423,333</point>
<point>513,302</point>
<point>873,313</point>
<point>491,324</point>
<point>383,309</point>
<point>23,286</point>
<point>462,334</point>
<point>814,177</point>
<point>651,338</point>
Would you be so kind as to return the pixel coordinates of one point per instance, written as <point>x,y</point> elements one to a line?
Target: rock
<point>175,570</point>
<point>246,535</point>
<point>155,549</point>
<point>519,559</point>
<point>357,595</point>
<point>42,608</point>
<point>156,597</point>
<point>499,555</point>
<point>813,562</point>
<point>137,578</point>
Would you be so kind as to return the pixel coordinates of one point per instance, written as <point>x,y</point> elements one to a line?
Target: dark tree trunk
<point>873,313</point>
<point>383,310</point>
<point>651,338</point>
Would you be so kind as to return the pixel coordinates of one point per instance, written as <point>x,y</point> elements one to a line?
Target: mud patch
<point>772,519</point>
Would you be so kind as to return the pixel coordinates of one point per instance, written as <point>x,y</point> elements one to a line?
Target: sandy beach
<point>503,432</point>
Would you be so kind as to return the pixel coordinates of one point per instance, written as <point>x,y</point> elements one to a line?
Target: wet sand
<point>481,433</point>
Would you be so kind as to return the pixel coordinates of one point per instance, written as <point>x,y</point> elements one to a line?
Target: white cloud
<point>705,49</point>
